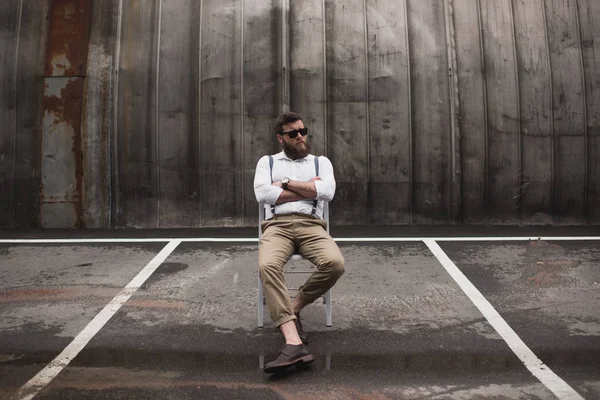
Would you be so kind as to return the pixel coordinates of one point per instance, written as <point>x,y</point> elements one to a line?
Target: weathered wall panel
<point>389,112</point>
<point>62,168</point>
<point>177,119</point>
<point>221,134</point>
<point>67,38</point>
<point>10,18</point>
<point>589,23</point>
<point>261,92</point>
<point>136,136</point>
<point>180,96</point>
<point>98,117</point>
<point>347,99</point>
<point>535,89</point>
<point>568,112</point>
<point>432,187</point>
<point>502,112</point>
<point>307,69</point>
<point>61,153</point>
<point>30,86</point>
<point>455,153</point>
<point>472,110</point>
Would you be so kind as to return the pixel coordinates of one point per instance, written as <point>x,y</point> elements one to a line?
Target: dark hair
<point>284,119</point>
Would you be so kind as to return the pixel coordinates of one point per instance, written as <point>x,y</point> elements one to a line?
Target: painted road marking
<point>541,371</point>
<point>43,378</point>
<point>342,239</point>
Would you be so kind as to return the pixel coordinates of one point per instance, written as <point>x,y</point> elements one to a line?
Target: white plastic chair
<point>295,257</point>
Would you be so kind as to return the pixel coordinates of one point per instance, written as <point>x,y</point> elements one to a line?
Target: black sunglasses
<point>295,132</point>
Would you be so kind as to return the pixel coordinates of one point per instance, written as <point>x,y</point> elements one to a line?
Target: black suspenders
<point>271,168</point>
<point>314,209</point>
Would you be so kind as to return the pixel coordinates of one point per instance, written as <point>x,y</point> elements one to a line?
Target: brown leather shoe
<point>289,355</point>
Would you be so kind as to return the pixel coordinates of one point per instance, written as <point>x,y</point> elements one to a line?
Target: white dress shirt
<point>302,169</point>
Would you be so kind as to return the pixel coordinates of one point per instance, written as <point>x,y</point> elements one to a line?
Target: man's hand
<point>287,195</point>
<point>297,190</point>
<point>278,183</point>
<point>308,190</point>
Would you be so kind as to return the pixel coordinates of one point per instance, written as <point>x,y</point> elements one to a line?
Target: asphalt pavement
<point>403,327</point>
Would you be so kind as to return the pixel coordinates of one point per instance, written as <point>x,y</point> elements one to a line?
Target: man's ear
<point>280,138</point>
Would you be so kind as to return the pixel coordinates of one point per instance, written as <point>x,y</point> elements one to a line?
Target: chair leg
<point>260,303</point>
<point>328,308</point>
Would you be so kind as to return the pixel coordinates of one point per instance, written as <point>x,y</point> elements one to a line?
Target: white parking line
<point>541,371</point>
<point>43,378</point>
<point>341,239</point>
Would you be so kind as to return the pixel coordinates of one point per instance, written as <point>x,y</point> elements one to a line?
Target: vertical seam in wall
<point>282,56</point>
<point>14,120</point>
<point>325,95</point>
<point>454,108</point>
<point>485,113</point>
<point>114,137</point>
<point>84,121</point>
<point>552,142</point>
<point>200,169</point>
<point>520,145</point>
<point>285,65</point>
<point>157,113</point>
<point>242,136</point>
<point>367,92</point>
<point>410,117</point>
<point>585,119</point>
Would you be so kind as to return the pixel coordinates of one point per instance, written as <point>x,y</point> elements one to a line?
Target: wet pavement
<point>402,327</point>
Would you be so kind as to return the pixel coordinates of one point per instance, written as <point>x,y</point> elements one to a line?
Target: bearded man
<point>288,183</point>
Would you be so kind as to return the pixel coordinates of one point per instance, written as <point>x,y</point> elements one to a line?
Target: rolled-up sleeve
<point>263,188</point>
<point>326,186</point>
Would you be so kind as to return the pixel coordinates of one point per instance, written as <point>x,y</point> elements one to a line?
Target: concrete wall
<point>432,111</point>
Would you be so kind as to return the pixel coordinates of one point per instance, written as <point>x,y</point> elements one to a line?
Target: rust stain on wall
<point>66,65</point>
<point>67,47</point>
<point>66,108</point>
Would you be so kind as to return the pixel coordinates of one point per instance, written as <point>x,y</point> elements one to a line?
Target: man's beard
<point>294,152</point>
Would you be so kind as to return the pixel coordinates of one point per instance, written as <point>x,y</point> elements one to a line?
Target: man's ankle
<point>290,333</point>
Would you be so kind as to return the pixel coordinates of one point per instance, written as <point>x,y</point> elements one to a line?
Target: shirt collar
<point>282,156</point>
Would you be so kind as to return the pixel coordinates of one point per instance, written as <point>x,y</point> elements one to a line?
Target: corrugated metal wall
<point>432,111</point>
<point>23,28</point>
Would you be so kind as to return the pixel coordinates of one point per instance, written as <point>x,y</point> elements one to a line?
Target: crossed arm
<point>321,188</point>
<point>297,190</point>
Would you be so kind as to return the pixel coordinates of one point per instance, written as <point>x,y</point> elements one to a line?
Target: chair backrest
<point>261,215</point>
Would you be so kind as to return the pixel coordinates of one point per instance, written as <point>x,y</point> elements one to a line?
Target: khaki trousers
<point>283,236</point>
